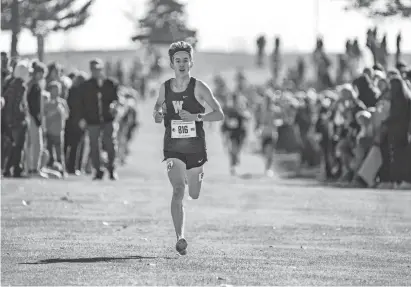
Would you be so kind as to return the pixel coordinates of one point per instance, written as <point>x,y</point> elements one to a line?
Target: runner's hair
<point>180,46</point>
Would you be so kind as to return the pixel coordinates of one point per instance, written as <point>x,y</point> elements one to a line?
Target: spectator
<point>346,128</point>
<point>5,68</point>
<point>55,74</point>
<point>261,42</point>
<point>127,119</point>
<point>36,116</point>
<point>8,73</point>
<point>276,61</point>
<point>99,100</point>
<point>15,119</point>
<point>364,141</point>
<point>5,74</point>
<point>378,67</point>
<point>72,75</point>
<point>398,127</point>
<point>56,113</point>
<point>323,129</point>
<point>367,93</point>
<point>382,85</point>
<point>381,138</point>
<point>74,134</point>
<point>323,65</point>
<point>303,120</point>
<point>402,69</point>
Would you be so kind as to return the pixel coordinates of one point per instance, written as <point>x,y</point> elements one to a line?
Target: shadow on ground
<point>92,259</point>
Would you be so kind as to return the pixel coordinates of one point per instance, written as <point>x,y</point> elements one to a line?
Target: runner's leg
<point>176,170</point>
<point>233,151</point>
<point>268,155</point>
<point>195,178</point>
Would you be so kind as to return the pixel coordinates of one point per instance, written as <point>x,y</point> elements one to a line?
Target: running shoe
<point>181,246</point>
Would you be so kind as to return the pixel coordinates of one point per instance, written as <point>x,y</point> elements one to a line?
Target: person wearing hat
<point>99,100</point>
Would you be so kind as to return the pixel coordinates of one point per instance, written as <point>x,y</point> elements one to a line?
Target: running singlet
<point>268,119</point>
<point>179,136</point>
<point>234,120</point>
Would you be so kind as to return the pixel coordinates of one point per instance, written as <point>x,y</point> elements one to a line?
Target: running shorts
<point>237,136</point>
<point>266,141</point>
<point>191,160</point>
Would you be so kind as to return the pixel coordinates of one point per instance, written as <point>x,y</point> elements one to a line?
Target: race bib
<point>181,130</point>
<point>232,123</point>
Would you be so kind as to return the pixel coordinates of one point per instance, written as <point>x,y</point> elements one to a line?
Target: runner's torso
<point>180,136</point>
<point>268,118</point>
<point>234,120</point>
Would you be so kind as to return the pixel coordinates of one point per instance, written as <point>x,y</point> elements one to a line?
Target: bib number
<point>181,130</point>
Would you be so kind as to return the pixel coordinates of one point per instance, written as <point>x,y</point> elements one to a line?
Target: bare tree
<point>381,8</point>
<point>165,22</point>
<point>42,17</point>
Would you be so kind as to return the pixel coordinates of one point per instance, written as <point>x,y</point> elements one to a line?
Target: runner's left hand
<point>186,116</point>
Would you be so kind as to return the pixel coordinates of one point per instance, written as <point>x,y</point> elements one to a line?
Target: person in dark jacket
<point>5,73</point>
<point>398,127</point>
<point>14,116</point>
<point>367,93</point>
<point>36,122</point>
<point>74,134</point>
<point>5,68</point>
<point>99,101</point>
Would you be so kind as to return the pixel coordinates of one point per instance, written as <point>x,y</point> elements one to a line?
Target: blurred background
<point>296,52</point>
<point>72,29</point>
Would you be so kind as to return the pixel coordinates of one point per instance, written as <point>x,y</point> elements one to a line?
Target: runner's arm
<point>257,116</point>
<point>161,98</point>
<point>217,113</point>
<point>160,101</point>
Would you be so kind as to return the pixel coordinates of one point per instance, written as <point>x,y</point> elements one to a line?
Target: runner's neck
<point>181,82</point>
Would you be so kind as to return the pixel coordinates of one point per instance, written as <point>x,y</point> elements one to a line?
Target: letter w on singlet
<point>178,106</point>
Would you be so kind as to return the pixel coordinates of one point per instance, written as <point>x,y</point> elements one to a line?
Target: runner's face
<point>181,63</point>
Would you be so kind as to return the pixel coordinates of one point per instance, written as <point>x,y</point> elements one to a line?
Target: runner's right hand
<point>158,116</point>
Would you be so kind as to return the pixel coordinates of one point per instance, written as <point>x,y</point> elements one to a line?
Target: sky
<point>226,25</point>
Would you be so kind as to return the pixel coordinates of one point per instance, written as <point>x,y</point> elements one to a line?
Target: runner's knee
<point>178,191</point>
<point>194,184</point>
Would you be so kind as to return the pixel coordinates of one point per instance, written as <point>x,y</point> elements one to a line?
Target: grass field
<point>245,230</point>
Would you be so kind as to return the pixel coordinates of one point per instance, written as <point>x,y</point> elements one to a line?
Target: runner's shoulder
<point>200,84</point>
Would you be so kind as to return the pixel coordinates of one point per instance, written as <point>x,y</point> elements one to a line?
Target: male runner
<point>181,104</point>
<point>236,117</point>
<point>267,130</point>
